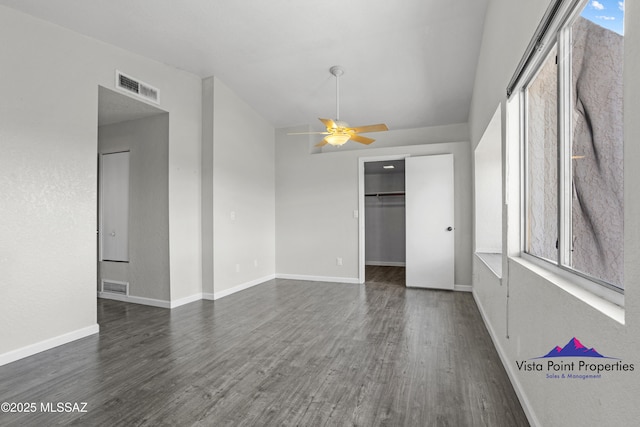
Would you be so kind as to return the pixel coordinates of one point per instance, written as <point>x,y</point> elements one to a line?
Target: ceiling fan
<point>339,132</point>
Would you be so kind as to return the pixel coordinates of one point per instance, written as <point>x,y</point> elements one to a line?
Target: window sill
<point>493,261</point>
<point>568,285</point>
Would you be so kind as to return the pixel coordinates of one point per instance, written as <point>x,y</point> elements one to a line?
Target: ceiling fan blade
<point>329,123</point>
<point>381,127</point>
<point>361,139</point>
<point>308,133</point>
<point>322,143</point>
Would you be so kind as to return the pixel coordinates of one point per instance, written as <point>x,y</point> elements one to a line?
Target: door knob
<point>449,228</point>
<point>112,234</point>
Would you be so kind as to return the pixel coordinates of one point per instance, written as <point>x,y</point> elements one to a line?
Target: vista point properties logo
<point>587,364</point>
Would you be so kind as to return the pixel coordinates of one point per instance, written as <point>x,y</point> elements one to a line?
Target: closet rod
<point>388,193</point>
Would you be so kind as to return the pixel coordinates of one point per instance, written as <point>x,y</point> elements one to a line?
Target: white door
<point>114,207</point>
<point>429,219</point>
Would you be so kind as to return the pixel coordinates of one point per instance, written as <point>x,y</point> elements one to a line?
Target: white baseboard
<point>463,288</point>
<point>150,301</point>
<point>318,278</point>
<point>386,263</point>
<point>238,288</point>
<point>136,300</point>
<point>186,300</point>
<point>47,344</point>
<point>522,397</point>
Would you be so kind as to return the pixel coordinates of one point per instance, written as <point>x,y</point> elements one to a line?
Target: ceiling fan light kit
<point>337,139</point>
<point>339,132</point>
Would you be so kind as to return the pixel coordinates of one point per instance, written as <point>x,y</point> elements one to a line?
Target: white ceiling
<point>409,63</point>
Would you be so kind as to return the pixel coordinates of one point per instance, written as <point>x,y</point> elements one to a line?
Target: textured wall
<point>243,191</point>
<point>48,175</point>
<point>48,181</point>
<point>206,187</point>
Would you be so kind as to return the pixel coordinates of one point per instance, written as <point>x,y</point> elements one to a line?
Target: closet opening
<point>384,222</point>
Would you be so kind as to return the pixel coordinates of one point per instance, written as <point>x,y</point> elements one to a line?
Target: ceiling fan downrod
<point>337,71</point>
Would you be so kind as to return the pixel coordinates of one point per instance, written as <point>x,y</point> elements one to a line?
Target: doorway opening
<point>383,229</point>
<point>133,194</point>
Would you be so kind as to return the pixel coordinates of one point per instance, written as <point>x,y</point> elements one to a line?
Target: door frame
<point>361,206</point>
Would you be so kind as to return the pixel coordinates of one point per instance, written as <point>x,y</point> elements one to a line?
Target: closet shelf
<point>385,193</point>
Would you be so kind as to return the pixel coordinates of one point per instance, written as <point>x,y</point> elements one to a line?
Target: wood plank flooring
<point>385,275</point>
<point>284,353</point>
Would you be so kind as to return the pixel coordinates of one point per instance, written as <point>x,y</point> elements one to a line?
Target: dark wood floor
<point>285,353</point>
<point>385,275</point>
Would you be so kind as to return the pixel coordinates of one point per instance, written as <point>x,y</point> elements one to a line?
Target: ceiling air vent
<point>138,88</point>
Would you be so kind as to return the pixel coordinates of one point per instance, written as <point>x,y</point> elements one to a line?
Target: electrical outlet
<point>338,261</point>
<point>237,268</point>
<point>255,263</point>
<point>355,214</point>
<point>232,215</point>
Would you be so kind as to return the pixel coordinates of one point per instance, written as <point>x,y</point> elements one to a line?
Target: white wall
<point>48,178</point>
<point>316,195</point>
<point>528,313</point>
<point>147,140</point>
<point>206,188</point>
<point>238,160</point>
<point>488,188</point>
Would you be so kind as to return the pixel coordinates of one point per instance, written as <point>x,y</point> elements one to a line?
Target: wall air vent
<point>114,287</point>
<point>138,88</point>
